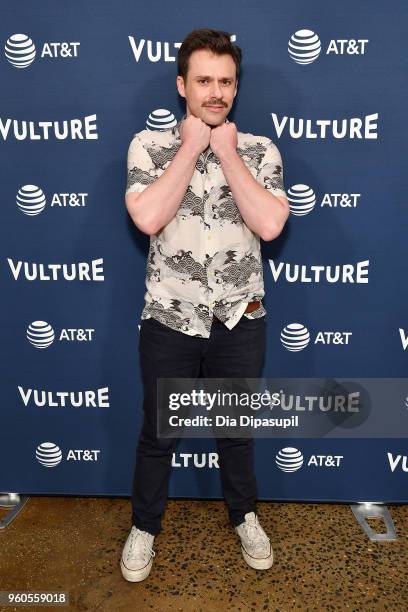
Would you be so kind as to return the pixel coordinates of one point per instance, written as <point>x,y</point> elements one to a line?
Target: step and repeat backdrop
<point>327,82</point>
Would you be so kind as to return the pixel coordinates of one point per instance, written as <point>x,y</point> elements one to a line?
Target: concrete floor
<point>323,560</point>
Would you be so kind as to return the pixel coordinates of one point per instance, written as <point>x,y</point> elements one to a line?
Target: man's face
<point>210,86</point>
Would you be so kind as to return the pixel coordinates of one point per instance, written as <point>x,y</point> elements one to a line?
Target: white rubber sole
<point>136,575</point>
<point>259,564</point>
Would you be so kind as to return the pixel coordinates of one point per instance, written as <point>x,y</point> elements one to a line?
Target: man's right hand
<point>195,134</point>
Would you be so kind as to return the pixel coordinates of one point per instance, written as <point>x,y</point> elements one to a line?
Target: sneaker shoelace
<point>255,533</point>
<point>146,542</point>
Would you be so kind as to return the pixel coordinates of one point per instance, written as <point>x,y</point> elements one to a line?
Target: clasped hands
<point>223,139</point>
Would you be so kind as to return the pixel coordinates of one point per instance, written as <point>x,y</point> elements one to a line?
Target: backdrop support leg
<point>364,510</point>
<point>13,501</point>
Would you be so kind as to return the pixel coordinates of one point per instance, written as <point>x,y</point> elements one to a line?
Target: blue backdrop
<point>327,83</point>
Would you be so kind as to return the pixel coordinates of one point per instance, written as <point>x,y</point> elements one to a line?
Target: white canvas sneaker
<point>255,545</point>
<point>137,556</point>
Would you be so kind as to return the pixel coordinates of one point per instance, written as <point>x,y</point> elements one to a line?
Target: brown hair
<point>216,41</point>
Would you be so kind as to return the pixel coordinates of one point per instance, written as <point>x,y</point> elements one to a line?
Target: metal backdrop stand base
<point>13,501</point>
<point>364,510</point>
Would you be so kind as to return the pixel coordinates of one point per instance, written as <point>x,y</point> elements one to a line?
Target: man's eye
<point>206,81</point>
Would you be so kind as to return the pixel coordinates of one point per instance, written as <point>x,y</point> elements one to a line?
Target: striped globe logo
<point>31,200</point>
<point>20,50</point>
<point>289,459</point>
<point>160,119</point>
<point>304,46</point>
<point>295,337</point>
<point>40,334</point>
<point>48,454</point>
<point>302,200</point>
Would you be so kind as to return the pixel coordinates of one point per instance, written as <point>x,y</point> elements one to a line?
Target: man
<point>205,194</point>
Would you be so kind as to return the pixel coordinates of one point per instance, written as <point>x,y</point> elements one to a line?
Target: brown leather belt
<point>250,308</point>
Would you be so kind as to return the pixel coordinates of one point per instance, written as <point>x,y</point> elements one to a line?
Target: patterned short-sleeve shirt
<point>205,261</point>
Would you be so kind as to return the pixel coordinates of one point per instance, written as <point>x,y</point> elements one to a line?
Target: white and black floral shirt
<point>205,261</point>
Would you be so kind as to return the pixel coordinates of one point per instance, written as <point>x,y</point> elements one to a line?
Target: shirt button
<point>209,237</point>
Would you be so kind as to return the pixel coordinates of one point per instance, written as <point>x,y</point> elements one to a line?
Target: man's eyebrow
<point>204,76</point>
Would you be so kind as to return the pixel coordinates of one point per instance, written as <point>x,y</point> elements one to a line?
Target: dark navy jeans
<point>166,353</point>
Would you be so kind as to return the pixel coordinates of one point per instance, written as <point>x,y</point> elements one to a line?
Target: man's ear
<point>180,86</point>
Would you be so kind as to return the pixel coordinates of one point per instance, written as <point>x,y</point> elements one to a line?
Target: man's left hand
<point>224,139</point>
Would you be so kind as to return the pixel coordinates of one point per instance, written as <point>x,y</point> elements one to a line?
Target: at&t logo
<point>304,46</point>
<point>41,335</point>
<point>20,50</point>
<point>295,337</point>
<point>160,119</point>
<point>49,454</point>
<point>31,200</point>
<point>290,459</point>
<point>302,200</point>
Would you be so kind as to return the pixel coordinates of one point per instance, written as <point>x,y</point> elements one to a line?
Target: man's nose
<point>216,91</point>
